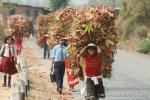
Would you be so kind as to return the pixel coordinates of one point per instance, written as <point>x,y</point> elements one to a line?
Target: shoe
<point>92,98</point>
<point>59,91</point>
<point>4,85</point>
<point>71,89</point>
<point>9,85</point>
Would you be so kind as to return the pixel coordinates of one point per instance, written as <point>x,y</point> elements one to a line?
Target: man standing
<point>46,50</point>
<point>58,62</point>
<point>45,46</point>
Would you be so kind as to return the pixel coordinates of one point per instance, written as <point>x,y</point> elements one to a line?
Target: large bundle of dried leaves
<point>19,24</point>
<point>82,26</point>
<point>97,25</point>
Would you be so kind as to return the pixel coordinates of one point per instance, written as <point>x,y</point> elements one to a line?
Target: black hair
<point>90,47</point>
<point>6,38</point>
<point>65,44</point>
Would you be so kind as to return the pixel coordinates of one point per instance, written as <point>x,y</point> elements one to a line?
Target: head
<point>61,41</point>
<point>92,49</point>
<point>9,40</point>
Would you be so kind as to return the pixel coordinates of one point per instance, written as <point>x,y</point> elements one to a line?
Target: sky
<point>77,2</point>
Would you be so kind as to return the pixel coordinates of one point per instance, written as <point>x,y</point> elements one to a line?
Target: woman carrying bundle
<point>93,69</point>
<point>18,43</point>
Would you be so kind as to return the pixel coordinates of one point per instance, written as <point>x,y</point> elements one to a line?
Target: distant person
<point>33,30</point>
<point>58,62</point>
<point>8,62</point>
<point>18,46</point>
<point>45,46</point>
<point>93,69</point>
<point>18,43</point>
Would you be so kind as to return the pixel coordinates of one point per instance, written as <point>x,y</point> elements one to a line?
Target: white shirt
<point>6,51</point>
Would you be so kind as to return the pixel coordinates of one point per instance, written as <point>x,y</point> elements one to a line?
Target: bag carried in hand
<point>52,77</point>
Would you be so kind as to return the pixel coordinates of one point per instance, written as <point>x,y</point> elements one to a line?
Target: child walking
<point>8,62</point>
<point>72,79</point>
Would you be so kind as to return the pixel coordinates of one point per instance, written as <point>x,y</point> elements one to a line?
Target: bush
<point>134,13</point>
<point>144,46</point>
<point>142,31</point>
<point>125,27</point>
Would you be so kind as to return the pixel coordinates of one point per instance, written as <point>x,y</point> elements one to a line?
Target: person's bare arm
<point>53,57</point>
<point>99,51</point>
<point>52,62</point>
<point>83,51</point>
<point>78,60</point>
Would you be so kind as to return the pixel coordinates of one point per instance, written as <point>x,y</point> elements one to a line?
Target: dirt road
<point>130,80</point>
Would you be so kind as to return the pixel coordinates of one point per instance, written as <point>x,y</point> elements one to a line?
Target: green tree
<point>6,7</point>
<point>57,4</point>
<point>134,14</point>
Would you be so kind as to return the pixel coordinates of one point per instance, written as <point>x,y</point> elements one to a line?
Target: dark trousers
<point>94,90</point>
<point>59,70</point>
<point>46,51</point>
